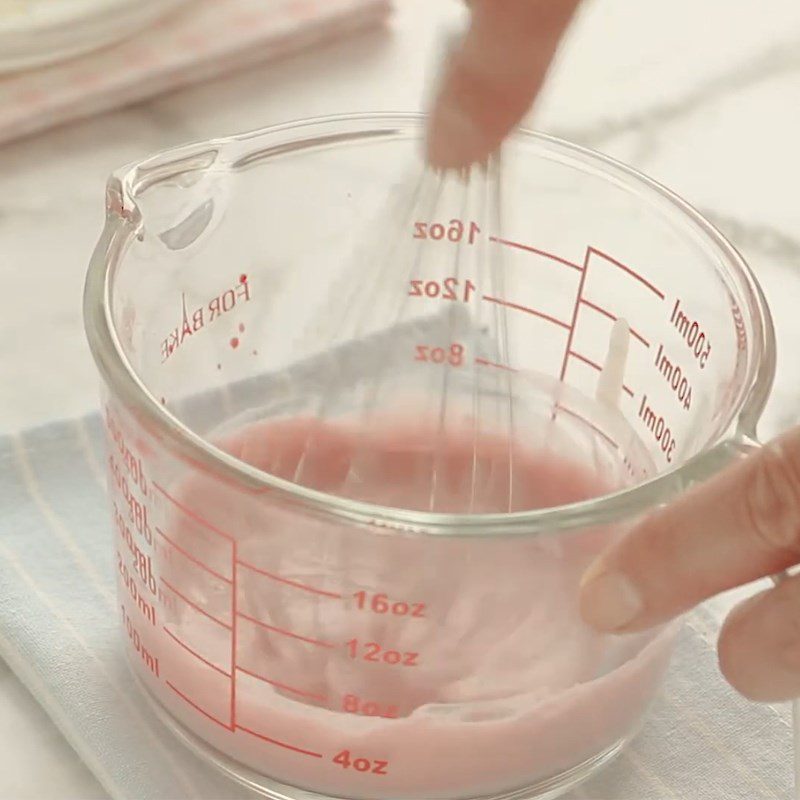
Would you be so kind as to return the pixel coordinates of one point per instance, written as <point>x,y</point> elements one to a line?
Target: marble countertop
<point>714,115</point>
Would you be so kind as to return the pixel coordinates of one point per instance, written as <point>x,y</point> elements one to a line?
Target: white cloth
<point>59,630</point>
<point>204,39</point>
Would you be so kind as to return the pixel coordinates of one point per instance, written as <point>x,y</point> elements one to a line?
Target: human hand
<point>741,525</point>
<point>493,77</point>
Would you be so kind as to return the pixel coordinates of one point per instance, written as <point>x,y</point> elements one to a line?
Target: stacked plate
<point>34,33</point>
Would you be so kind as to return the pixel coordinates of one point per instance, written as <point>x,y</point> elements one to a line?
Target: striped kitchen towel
<point>204,39</point>
<point>60,631</point>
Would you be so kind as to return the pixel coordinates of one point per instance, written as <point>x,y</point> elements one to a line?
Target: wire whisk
<point>443,406</point>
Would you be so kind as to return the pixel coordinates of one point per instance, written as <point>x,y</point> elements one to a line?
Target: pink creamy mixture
<point>376,663</point>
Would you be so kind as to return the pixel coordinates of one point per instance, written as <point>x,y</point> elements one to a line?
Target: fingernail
<point>609,601</point>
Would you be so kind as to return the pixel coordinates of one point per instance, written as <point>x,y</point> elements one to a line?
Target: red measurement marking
<point>353,704</point>
<point>377,654</point>
<point>588,361</point>
<point>234,637</point>
<point>196,654</point>
<point>381,604</point>
<point>527,310</point>
<point>538,252</point>
<point>243,278</point>
<point>279,743</point>
<point>574,320</point>
<point>235,342</point>
<point>192,515</point>
<point>484,363</point>
<point>241,327</point>
<point>595,366</point>
<point>346,761</point>
<point>627,269</point>
<point>194,605</point>
<point>454,355</point>
<point>197,707</point>
<point>611,316</point>
<point>296,584</point>
<point>446,289</point>
<point>218,477</point>
<point>191,558</point>
<point>299,692</point>
<point>583,419</point>
<point>283,632</point>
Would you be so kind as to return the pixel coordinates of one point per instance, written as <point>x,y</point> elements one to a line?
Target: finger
<point>493,77</point>
<point>741,525</point>
<point>759,645</point>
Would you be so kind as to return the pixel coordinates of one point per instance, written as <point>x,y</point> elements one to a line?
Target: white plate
<point>34,33</point>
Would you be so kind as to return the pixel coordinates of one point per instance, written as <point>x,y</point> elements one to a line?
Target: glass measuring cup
<point>304,637</point>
